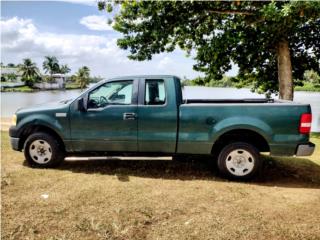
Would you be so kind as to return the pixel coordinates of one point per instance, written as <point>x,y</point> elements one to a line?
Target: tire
<point>43,150</point>
<point>239,161</point>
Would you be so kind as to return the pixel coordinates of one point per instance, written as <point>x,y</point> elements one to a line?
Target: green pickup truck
<point>147,116</point>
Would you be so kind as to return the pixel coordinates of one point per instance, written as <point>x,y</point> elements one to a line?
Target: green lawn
<point>308,87</point>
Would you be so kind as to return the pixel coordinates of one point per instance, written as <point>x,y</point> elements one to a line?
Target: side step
<point>118,158</point>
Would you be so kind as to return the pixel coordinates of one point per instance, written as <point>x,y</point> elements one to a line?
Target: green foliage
<point>51,65</point>
<point>311,76</point>
<point>11,65</point>
<point>83,76</point>
<point>311,82</point>
<point>10,77</point>
<point>29,71</point>
<point>64,69</point>
<point>244,32</point>
<point>307,86</point>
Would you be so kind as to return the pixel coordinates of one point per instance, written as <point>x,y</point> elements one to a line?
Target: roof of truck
<point>144,76</point>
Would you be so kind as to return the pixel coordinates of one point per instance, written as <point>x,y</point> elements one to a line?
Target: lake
<point>11,101</point>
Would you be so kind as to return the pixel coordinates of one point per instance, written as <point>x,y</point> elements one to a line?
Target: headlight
<point>14,120</point>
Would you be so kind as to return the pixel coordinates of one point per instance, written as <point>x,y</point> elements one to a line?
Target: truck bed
<point>201,122</point>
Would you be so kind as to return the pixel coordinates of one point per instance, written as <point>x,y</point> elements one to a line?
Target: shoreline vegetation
<point>306,86</point>
<point>27,77</point>
<point>310,83</point>
<point>27,89</point>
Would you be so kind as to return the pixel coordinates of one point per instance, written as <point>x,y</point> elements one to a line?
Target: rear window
<point>155,92</point>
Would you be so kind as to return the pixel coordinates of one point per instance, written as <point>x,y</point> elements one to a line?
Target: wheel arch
<point>241,135</point>
<point>33,128</point>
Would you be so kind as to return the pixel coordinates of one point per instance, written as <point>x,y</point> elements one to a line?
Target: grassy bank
<point>308,87</point>
<point>227,82</point>
<point>158,200</point>
<point>69,86</point>
<point>19,89</point>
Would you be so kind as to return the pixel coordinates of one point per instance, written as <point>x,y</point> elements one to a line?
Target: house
<point>58,82</point>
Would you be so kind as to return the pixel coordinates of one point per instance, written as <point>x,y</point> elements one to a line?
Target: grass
<point>115,199</point>
<point>308,87</point>
<point>18,89</point>
<point>70,86</point>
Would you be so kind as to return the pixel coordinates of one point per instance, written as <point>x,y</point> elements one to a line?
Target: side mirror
<point>81,106</point>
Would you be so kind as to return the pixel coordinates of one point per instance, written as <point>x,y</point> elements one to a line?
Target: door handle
<point>129,116</point>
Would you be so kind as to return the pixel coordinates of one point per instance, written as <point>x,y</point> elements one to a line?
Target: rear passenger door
<point>157,116</point>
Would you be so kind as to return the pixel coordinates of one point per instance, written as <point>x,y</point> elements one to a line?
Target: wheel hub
<point>240,162</point>
<point>40,151</point>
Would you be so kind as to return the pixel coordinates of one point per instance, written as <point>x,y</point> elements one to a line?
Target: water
<point>11,101</point>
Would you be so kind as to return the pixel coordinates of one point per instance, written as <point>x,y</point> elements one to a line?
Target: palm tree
<point>30,72</point>
<point>12,77</point>
<point>64,69</point>
<point>83,76</point>
<point>51,65</point>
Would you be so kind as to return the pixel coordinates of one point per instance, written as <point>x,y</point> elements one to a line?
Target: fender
<point>238,122</point>
<point>45,120</point>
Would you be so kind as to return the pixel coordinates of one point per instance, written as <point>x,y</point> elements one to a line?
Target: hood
<point>45,106</point>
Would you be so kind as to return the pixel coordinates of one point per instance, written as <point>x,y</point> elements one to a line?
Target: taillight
<point>305,123</point>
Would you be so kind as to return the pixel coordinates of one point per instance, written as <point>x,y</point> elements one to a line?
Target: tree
<point>272,42</point>
<point>12,77</point>
<point>30,72</point>
<point>51,65</point>
<point>11,65</point>
<point>83,76</point>
<point>64,69</point>
<point>311,76</point>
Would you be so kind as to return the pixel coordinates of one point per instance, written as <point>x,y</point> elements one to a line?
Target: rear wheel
<point>239,160</point>
<point>43,150</point>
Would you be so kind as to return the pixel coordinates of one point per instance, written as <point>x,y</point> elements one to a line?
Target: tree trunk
<point>284,71</point>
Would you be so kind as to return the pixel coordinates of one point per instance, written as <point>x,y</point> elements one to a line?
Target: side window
<point>116,93</point>
<point>155,92</point>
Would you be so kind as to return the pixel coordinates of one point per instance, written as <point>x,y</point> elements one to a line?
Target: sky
<point>77,33</point>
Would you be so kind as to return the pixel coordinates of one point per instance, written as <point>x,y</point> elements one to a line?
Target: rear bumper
<point>305,149</point>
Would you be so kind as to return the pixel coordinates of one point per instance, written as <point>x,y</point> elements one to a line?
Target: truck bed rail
<point>244,100</point>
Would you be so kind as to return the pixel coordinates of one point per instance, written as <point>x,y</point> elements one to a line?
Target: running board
<point>118,158</point>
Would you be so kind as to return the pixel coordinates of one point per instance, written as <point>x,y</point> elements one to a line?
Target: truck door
<point>110,122</point>
<point>157,116</point>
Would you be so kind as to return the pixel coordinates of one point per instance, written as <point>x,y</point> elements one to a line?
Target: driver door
<point>110,122</point>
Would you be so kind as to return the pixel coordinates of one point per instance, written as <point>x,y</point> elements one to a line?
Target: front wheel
<point>43,150</point>
<point>239,161</point>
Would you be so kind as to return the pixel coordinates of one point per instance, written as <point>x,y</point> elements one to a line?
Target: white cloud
<point>95,22</point>
<point>20,38</point>
<point>83,2</point>
<point>165,63</point>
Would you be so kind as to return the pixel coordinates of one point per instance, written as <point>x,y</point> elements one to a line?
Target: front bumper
<point>15,143</point>
<point>305,149</point>
<point>14,138</point>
